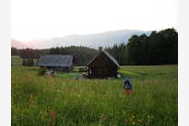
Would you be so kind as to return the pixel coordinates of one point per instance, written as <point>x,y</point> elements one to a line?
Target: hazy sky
<point>43,19</point>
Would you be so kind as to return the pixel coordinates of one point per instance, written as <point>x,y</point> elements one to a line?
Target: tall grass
<point>49,101</point>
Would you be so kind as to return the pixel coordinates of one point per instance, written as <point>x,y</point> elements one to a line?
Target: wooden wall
<point>102,67</point>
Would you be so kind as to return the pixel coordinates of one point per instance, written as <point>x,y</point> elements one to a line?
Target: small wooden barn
<point>62,63</point>
<point>102,66</point>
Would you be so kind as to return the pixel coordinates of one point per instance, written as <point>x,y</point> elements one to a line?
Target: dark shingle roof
<point>56,61</point>
<point>109,56</point>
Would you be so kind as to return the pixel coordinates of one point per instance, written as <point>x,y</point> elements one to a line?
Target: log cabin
<point>102,66</point>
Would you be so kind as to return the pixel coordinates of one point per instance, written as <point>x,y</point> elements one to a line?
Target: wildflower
<point>148,116</point>
<point>103,117</point>
<point>126,122</point>
<point>133,116</point>
<point>53,118</point>
<point>52,115</point>
<point>133,123</point>
<point>31,100</point>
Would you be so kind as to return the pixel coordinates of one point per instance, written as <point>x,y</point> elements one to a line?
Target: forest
<point>158,48</point>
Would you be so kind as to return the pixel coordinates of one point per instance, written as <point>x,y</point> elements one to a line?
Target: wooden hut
<point>102,66</point>
<point>62,63</point>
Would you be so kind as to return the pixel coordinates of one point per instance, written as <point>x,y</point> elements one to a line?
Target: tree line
<point>81,55</point>
<point>157,48</point>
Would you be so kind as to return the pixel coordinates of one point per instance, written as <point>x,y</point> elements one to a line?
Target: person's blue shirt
<point>127,84</point>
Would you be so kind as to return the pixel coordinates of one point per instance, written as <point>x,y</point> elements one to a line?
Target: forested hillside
<point>157,48</point>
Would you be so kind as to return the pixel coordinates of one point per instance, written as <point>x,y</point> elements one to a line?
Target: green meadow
<point>68,100</point>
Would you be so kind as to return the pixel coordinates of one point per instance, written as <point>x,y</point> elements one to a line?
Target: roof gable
<point>108,56</point>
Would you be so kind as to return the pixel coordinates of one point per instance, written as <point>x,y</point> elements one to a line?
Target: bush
<point>28,62</point>
<point>42,71</point>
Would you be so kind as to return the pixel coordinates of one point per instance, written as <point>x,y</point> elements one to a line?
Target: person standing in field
<point>128,88</point>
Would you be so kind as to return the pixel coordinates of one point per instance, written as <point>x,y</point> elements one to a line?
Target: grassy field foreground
<point>64,101</point>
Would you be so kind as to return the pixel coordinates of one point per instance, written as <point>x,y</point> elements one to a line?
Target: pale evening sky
<point>44,19</point>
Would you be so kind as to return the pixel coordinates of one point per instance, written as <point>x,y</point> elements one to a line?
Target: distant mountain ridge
<point>105,39</point>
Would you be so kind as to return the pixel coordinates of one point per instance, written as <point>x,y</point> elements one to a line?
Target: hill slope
<point>105,39</point>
